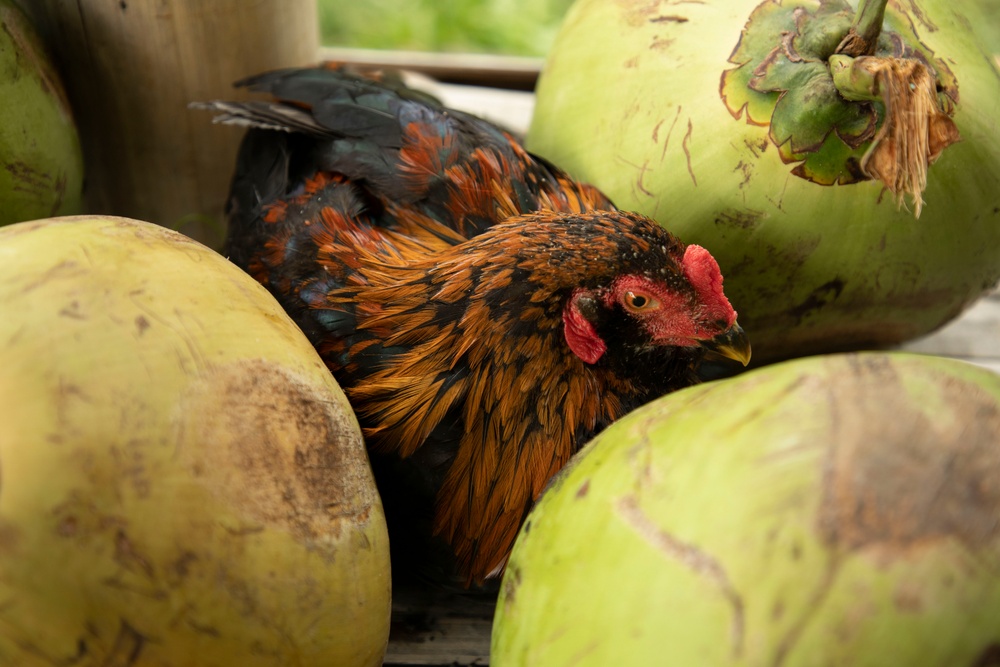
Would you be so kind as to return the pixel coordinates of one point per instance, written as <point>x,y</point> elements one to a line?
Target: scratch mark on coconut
<point>65,270</point>
<point>127,647</point>
<point>746,169</point>
<point>689,555</point>
<point>186,322</point>
<point>636,184</point>
<point>72,311</point>
<point>86,253</point>
<point>656,130</point>
<point>203,629</point>
<point>640,458</point>
<point>69,398</point>
<point>810,610</point>
<point>673,18</point>
<point>148,313</point>
<point>118,583</point>
<point>778,203</point>
<point>243,531</point>
<point>30,648</point>
<point>17,336</point>
<point>29,180</point>
<point>129,557</point>
<point>661,43</point>
<point>921,17</point>
<point>757,148</point>
<point>687,151</point>
<point>578,657</point>
<point>776,398</point>
<point>637,13</point>
<point>666,141</point>
<point>155,235</point>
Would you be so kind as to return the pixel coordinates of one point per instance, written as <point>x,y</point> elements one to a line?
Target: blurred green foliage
<point>511,27</point>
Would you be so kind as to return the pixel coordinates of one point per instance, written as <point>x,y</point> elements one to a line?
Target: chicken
<point>485,314</point>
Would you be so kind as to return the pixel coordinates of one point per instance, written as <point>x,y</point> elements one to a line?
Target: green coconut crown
<point>849,96</point>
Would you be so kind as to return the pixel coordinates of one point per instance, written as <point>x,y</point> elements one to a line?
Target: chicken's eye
<point>636,301</point>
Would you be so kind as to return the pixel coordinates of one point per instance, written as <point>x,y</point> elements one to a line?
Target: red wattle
<point>581,336</point>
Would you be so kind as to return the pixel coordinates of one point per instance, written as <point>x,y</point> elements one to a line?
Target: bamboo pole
<point>132,66</point>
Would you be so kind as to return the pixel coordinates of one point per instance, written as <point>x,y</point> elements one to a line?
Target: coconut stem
<point>854,78</point>
<point>862,38</point>
<point>915,130</point>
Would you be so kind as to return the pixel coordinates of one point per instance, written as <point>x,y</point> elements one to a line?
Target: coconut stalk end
<point>914,131</point>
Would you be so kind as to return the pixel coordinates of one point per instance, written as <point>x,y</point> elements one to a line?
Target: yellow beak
<point>731,344</point>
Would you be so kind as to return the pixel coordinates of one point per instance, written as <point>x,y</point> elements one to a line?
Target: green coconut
<point>184,483</point>
<point>752,129</point>
<point>828,511</point>
<point>41,164</point>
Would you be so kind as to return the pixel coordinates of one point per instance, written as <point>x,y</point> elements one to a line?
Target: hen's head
<point>642,296</point>
<point>683,308</point>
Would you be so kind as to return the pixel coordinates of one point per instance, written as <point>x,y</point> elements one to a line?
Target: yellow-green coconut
<point>839,511</point>
<point>182,482</point>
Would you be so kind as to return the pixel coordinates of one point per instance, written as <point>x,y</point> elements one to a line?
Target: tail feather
<point>264,116</point>
<point>404,158</point>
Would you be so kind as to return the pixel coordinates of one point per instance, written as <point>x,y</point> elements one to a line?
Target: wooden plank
<point>974,336</point>
<point>433,627</point>
<point>511,109</point>
<point>494,71</point>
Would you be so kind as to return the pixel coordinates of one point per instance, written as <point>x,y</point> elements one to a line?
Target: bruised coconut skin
<point>183,481</point>
<point>812,266</point>
<point>852,516</point>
